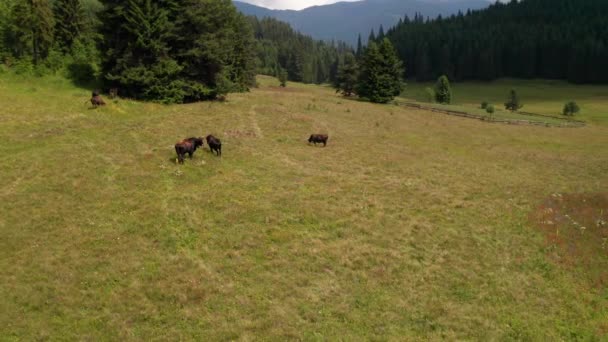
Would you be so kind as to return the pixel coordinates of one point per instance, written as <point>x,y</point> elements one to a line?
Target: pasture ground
<point>545,97</point>
<point>408,225</point>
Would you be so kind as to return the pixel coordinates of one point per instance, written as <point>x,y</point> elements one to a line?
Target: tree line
<point>165,50</point>
<point>552,39</point>
<point>301,57</point>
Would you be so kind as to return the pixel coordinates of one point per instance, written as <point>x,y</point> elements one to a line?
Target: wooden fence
<point>563,122</point>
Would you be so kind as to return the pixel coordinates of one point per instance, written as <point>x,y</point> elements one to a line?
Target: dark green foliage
<point>443,91</point>
<point>513,104</point>
<point>137,36</point>
<point>69,23</point>
<point>282,76</point>
<point>430,94</point>
<point>380,33</point>
<point>359,51</point>
<point>175,51</point>
<point>372,37</point>
<point>305,59</point>
<point>380,73</point>
<point>490,109</point>
<point>348,74</point>
<point>484,105</point>
<point>32,29</point>
<point>553,39</point>
<point>571,108</point>
<point>5,33</point>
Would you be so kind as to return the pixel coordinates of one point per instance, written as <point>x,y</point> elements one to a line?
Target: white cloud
<point>290,4</point>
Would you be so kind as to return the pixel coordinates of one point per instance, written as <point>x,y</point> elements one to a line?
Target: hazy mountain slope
<point>345,20</point>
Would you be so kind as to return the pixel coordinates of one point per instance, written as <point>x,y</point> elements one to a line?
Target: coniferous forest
<point>304,59</point>
<point>553,39</point>
<point>169,51</point>
<point>182,51</point>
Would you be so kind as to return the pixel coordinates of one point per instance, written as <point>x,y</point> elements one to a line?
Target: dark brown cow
<point>214,144</point>
<point>187,146</point>
<point>318,138</point>
<point>96,101</point>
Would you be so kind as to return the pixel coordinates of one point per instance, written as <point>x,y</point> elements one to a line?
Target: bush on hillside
<point>282,76</point>
<point>430,94</point>
<point>571,108</point>
<point>443,91</point>
<point>513,104</point>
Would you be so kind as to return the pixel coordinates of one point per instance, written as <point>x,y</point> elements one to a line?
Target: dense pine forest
<point>305,60</point>
<point>553,39</point>
<point>168,51</point>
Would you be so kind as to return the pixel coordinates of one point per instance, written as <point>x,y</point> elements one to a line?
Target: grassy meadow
<point>545,97</point>
<point>409,225</point>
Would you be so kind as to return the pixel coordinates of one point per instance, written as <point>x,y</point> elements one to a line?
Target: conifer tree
<point>176,51</point>
<point>33,28</point>
<point>348,74</point>
<point>282,76</point>
<point>513,103</point>
<point>380,33</point>
<point>69,21</point>
<point>372,37</point>
<point>443,91</point>
<point>359,51</point>
<point>381,71</point>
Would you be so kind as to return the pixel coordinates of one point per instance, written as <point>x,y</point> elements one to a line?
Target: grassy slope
<point>538,96</point>
<point>408,224</point>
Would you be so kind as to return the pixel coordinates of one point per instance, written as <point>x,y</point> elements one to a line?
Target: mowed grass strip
<point>408,225</point>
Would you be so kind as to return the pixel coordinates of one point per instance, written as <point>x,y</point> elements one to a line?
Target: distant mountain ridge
<point>346,20</point>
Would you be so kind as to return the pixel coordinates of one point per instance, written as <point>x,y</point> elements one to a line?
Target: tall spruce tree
<point>381,71</point>
<point>69,22</point>
<point>348,74</point>
<point>513,104</point>
<point>372,37</point>
<point>443,91</point>
<point>5,20</point>
<point>359,51</point>
<point>176,51</point>
<point>137,35</point>
<point>380,33</point>
<point>32,28</point>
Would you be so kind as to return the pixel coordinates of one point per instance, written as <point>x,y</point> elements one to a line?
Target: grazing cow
<point>318,138</point>
<point>96,101</point>
<point>214,144</point>
<point>187,146</point>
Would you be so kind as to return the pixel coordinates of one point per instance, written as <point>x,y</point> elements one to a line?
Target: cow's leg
<point>324,143</point>
<point>190,155</point>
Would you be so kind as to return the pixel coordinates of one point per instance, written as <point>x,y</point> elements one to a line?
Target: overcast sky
<point>290,4</point>
<point>300,4</point>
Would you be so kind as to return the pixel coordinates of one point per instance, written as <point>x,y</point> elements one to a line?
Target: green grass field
<point>538,96</point>
<point>409,225</point>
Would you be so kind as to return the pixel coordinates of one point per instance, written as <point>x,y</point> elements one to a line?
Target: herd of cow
<point>188,146</point>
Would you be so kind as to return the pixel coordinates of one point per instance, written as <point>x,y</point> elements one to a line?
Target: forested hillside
<point>346,20</point>
<point>167,51</point>
<point>555,39</point>
<point>305,60</point>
